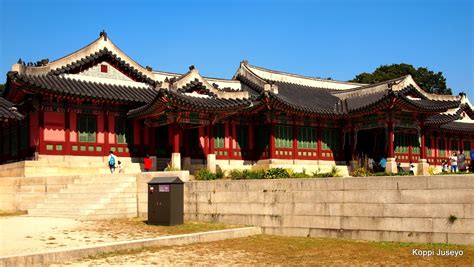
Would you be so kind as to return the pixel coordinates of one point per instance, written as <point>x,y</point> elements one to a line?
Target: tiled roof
<point>208,103</point>
<point>196,85</point>
<point>306,99</point>
<point>8,111</point>
<point>88,89</point>
<point>104,55</point>
<point>458,126</point>
<point>186,102</point>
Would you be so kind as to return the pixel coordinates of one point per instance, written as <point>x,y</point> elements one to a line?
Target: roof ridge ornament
<point>103,34</point>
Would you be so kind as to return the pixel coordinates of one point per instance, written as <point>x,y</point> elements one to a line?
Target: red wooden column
<point>390,152</point>
<point>319,135</point>
<point>233,132</point>
<point>271,146</point>
<point>175,155</point>
<point>295,139</point>
<point>423,146</point>
<point>33,132</point>
<point>41,148</point>
<point>210,134</point>
<point>176,136</point>
<point>230,138</point>
<point>106,134</point>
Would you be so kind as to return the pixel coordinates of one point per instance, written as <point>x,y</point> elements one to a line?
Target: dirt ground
<point>293,251</point>
<point>24,234</point>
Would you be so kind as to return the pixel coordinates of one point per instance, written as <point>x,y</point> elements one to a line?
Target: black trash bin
<point>165,201</point>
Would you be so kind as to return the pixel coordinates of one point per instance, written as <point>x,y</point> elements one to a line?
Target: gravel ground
<point>25,234</point>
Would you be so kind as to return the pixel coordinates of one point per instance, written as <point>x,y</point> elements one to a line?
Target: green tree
<point>427,79</point>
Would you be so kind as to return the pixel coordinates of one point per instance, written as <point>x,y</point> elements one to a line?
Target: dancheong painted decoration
<point>98,99</point>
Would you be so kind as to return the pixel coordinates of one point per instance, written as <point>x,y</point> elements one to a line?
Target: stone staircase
<point>92,198</point>
<point>66,165</point>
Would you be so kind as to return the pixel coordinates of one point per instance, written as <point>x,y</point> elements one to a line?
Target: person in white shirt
<point>454,162</point>
<point>120,167</point>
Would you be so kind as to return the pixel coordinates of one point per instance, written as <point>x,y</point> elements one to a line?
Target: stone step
<point>63,195</point>
<point>93,190</point>
<point>88,205</point>
<point>100,187</point>
<point>79,212</point>
<point>113,179</point>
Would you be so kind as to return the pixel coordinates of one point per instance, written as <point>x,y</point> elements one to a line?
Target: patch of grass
<point>4,213</point>
<point>302,251</point>
<point>139,226</point>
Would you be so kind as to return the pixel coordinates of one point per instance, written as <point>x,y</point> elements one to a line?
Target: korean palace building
<point>98,99</point>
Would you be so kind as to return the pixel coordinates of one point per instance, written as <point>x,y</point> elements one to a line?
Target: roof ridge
<point>302,76</point>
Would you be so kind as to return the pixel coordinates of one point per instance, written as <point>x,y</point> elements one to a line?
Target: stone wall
<point>406,209</point>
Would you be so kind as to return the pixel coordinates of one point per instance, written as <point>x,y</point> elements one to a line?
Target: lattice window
<point>87,129</point>
<point>415,144</point>
<point>441,147</point>
<point>283,136</point>
<point>306,138</point>
<point>121,131</point>
<point>402,143</point>
<point>219,136</point>
<point>330,139</point>
<point>429,148</point>
<point>23,136</point>
<point>467,149</point>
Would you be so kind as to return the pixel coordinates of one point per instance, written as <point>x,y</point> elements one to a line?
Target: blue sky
<point>337,39</point>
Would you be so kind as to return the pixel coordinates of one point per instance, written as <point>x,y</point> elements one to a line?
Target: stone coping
<point>61,255</point>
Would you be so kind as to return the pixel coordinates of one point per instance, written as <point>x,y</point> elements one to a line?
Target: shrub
<point>219,173</point>
<point>301,175</point>
<point>432,170</point>
<point>335,172</point>
<point>451,219</point>
<point>236,174</point>
<point>170,168</point>
<point>276,173</point>
<point>256,174</point>
<point>360,172</point>
<point>246,174</point>
<point>205,174</point>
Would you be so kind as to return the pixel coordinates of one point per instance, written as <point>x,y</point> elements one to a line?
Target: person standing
<point>147,164</point>
<point>383,163</point>
<point>461,161</point>
<point>412,168</point>
<point>111,161</point>
<point>454,162</point>
<point>120,167</point>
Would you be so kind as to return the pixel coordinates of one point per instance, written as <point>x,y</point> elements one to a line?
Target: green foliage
<point>236,174</point>
<point>170,168</point>
<point>360,172</point>
<point>276,173</point>
<point>301,175</point>
<point>427,79</point>
<point>452,219</point>
<point>246,174</point>
<point>432,170</point>
<point>257,174</point>
<point>219,173</point>
<point>2,88</point>
<point>335,172</point>
<point>205,174</point>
